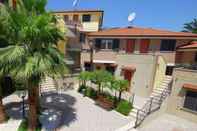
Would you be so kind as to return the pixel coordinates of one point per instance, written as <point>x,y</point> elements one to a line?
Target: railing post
<point>160,100</point>
<point>136,121</point>
<point>151,101</point>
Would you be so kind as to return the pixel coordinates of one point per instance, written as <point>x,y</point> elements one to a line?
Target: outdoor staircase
<point>157,92</point>
<point>155,99</point>
<point>48,85</point>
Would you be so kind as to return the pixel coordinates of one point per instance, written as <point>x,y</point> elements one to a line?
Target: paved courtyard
<point>168,122</point>
<point>71,111</point>
<point>81,114</point>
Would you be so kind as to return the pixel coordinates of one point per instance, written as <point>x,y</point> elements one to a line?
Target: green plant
<point>81,88</point>
<point>91,93</point>
<point>122,86</point>
<point>24,126</point>
<point>31,54</point>
<point>100,78</point>
<point>84,77</point>
<point>191,26</point>
<point>124,107</point>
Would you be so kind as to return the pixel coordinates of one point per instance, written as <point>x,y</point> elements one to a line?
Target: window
<point>87,66</point>
<point>66,18</point>
<point>107,44</point>
<point>191,101</point>
<point>76,18</point>
<point>168,45</point>
<point>195,57</point>
<point>86,18</point>
<point>82,37</point>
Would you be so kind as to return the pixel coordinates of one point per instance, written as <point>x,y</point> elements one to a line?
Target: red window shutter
<point>144,46</point>
<point>130,46</point>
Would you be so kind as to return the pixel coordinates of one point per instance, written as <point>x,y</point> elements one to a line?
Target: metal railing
<point>152,105</point>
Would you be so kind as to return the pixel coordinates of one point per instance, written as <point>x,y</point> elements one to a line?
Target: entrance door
<point>128,74</point>
<point>130,46</point>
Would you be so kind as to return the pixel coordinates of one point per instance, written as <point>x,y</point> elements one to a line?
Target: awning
<point>129,67</point>
<point>102,61</point>
<point>190,87</point>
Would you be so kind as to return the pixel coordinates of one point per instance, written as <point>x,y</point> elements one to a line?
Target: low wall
<point>176,99</point>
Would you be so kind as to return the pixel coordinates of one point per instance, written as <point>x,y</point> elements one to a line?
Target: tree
<point>100,77</point>
<point>32,52</point>
<point>122,86</point>
<point>84,77</point>
<point>191,26</point>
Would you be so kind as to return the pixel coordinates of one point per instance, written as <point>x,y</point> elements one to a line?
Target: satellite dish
<point>75,2</point>
<point>131,17</point>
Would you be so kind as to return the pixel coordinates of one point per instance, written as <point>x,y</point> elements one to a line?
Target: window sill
<point>188,110</point>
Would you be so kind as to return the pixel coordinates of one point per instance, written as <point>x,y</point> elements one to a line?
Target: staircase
<point>157,92</point>
<point>154,101</point>
<point>48,85</point>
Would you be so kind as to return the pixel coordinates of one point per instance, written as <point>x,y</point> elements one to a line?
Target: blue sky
<point>162,14</point>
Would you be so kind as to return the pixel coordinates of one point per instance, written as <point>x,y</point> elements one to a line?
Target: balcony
<point>74,24</point>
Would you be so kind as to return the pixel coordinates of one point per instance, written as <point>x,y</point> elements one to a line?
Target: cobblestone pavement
<point>168,122</point>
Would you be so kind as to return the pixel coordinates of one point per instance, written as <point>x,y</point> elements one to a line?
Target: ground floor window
<point>191,100</point>
<point>87,66</point>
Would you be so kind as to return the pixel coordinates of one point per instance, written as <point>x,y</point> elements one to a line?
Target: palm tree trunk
<point>2,111</point>
<point>120,95</point>
<point>33,93</point>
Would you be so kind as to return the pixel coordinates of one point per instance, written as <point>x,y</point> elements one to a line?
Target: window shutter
<point>116,44</point>
<point>98,43</point>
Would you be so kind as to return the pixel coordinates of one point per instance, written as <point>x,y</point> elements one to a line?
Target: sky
<point>161,14</point>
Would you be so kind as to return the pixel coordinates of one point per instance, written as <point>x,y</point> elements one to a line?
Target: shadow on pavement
<point>56,110</point>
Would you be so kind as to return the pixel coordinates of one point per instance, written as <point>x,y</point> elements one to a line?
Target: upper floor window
<point>86,18</point>
<point>66,18</point>
<point>75,18</point>
<point>168,45</point>
<point>191,101</point>
<point>107,43</point>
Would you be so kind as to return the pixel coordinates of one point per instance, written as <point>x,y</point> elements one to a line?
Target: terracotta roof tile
<point>139,32</point>
<point>190,87</point>
<point>191,45</point>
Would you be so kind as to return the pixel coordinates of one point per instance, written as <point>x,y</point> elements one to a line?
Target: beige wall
<point>141,83</point>
<point>93,25</point>
<point>160,71</point>
<point>176,99</point>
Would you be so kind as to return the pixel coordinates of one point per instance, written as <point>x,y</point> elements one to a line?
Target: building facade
<point>78,23</point>
<point>143,56</point>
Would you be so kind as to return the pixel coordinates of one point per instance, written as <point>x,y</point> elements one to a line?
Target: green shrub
<point>124,107</point>
<point>24,126</point>
<point>91,93</point>
<point>81,88</point>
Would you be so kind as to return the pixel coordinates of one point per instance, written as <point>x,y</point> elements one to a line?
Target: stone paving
<point>78,113</point>
<point>167,122</point>
<point>83,115</point>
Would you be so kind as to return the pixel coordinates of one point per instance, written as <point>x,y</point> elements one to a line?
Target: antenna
<point>131,17</point>
<point>75,3</point>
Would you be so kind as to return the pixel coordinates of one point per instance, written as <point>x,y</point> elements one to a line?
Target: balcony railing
<point>74,24</point>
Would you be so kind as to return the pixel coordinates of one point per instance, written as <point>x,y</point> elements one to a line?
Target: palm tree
<point>84,77</point>
<point>122,86</point>
<point>32,53</point>
<point>191,26</point>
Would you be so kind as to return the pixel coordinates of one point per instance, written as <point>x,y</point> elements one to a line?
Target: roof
<point>139,32</point>
<point>190,87</point>
<point>79,11</point>
<point>190,45</point>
